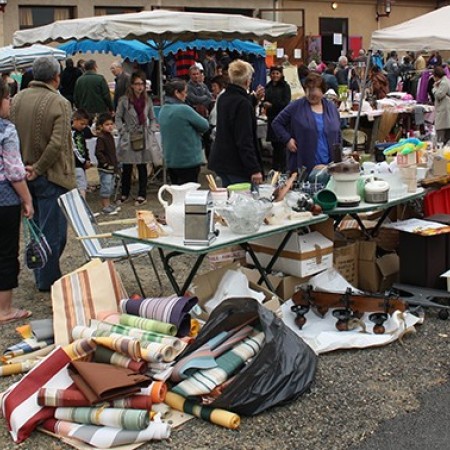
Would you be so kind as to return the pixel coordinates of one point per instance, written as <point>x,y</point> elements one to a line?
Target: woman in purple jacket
<point>309,127</point>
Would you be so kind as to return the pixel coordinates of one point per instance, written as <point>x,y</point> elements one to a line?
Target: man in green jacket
<point>42,118</point>
<point>92,91</point>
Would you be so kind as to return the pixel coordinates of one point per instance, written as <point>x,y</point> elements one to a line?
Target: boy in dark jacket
<point>80,120</point>
<point>108,167</point>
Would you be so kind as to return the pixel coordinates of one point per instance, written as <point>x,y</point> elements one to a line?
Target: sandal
<point>17,314</point>
<point>140,201</point>
<point>122,199</point>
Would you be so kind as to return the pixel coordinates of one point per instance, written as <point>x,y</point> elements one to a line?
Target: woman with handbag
<point>14,197</point>
<point>136,124</point>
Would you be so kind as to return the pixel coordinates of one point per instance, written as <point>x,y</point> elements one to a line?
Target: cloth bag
<point>281,371</point>
<point>78,296</point>
<point>137,140</point>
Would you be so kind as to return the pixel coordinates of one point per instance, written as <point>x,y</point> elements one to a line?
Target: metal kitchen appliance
<point>199,218</point>
<point>376,191</point>
<point>345,175</point>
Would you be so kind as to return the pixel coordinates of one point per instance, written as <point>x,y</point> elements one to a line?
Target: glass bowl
<point>244,216</point>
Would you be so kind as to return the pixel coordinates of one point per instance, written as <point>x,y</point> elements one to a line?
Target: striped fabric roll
<point>126,346</point>
<point>107,437</point>
<point>71,396</point>
<point>80,349</point>
<point>150,351</point>
<point>217,416</point>
<point>134,402</point>
<point>26,346</point>
<point>171,309</point>
<point>148,324</point>
<point>127,419</point>
<point>16,368</point>
<point>204,381</point>
<point>105,355</point>
<point>149,336</point>
<point>205,356</point>
<point>157,391</point>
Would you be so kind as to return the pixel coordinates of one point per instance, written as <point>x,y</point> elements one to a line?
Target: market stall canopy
<point>427,32</point>
<point>144,52</point>
<point>159,25</point>
<point>133,50</point>
<point>17,58</point>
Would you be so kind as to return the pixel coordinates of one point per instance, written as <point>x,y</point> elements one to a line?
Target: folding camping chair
<point>84,224</point>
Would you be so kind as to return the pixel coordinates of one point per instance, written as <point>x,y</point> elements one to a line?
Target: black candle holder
<point>378,319</point>
<point>300,311</point>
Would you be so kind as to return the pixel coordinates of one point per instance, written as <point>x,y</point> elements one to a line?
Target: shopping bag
<point>37,249</point>
<point>78,296</point>
<point>280,372</point>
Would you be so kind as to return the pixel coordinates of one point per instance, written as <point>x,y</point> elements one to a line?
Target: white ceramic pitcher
<point>175,210</point>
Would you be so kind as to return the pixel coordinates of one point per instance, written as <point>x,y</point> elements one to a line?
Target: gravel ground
<point>353,393</point>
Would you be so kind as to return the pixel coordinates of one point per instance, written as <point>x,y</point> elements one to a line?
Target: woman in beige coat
<point>136,124</point>
<point>441,92</point>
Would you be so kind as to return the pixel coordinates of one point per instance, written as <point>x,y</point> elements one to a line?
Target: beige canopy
<point>427,32</point>
<point>158,25</point>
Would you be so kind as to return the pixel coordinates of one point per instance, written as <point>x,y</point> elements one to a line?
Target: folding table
<point>174,246</point>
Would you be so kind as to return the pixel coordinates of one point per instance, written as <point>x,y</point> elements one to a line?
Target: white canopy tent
<point>430,31</point>
<point>160,26</point>
<point>17,58</point>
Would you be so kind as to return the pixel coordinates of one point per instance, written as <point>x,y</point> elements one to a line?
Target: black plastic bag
<point>282,371</point>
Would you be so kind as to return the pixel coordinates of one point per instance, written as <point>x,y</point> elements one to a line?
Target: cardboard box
<point>289,285</point>
<point>303,255</point>
<point>423,259</point>
<point>226,256</point>
<point>376,274</point>
<point>204,287</point>
<point>345,260</point>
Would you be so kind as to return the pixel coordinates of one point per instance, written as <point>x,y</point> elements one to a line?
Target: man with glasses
<point>122,80</point>
<point>92,91</point>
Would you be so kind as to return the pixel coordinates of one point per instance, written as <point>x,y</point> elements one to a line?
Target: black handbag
<point>37,249</point>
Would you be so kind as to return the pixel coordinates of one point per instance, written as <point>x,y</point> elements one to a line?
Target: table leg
<point>170,271</point>
<point>258,266</point>
<point>380,221</point>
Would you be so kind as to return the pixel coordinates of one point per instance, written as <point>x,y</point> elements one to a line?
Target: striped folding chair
<point>83,223</point>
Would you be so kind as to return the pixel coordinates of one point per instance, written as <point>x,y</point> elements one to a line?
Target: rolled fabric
<point>149,336</point>
<point>108,316</point>
<point>105,355</point>
<point>134,402</point>
<point>171,309</point>
<point>70,396</point>
<point>125,345</point>
<point>148,324</point>
<point>16,368</point>
<point>195,328</point>
<point>157,391</point>
<point>33,355</point>
<point>204,381</point>
<point>154,352</point>
<point>26,346</point>
<point>127,419</point>
<point>42,329</point>
<point>80,349</point>
<point>217,416</point>
<point>161,408</point>
<point>107,437</point>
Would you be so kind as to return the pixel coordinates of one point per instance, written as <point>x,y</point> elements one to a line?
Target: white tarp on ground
<point>321,334</point>
<point>427,32</point>
<point>16,58</point>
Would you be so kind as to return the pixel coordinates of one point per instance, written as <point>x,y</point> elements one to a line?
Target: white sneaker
<point>110,210</point>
